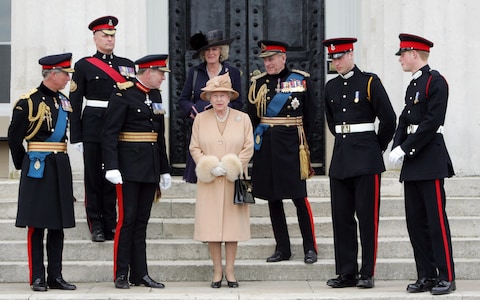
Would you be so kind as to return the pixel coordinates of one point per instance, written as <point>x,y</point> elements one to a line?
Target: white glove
<point>396,156</point>
<point>114,176</point>
<point>78,147</point>
<point>165,181</point>
<point>218,171</point>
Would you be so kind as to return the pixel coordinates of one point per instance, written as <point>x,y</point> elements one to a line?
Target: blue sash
<point>37,158</point>
<point>273,108</point>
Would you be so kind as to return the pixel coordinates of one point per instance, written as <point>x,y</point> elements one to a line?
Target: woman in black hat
<point>212,49</point>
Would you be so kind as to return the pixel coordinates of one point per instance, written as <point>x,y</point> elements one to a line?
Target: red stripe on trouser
<point>312,223</point>
<point>443,228</point>
<point>118,228</point>
<point>375,221</point>
<point>29,251</point>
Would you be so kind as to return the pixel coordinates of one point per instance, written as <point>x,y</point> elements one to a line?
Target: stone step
<point>245,270</point>
<point>187,249</point>
<point>318,186</point>
<point>249,290</point>
<point>182,228</point>
<point>185,208</point>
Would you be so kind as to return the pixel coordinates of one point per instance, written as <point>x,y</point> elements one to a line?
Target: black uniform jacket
<point>426,153</point>
<point>42,202</point>
<point>128,112</point>
<point>89,82</point>
<point>346,102</point>
<point>276,166</point>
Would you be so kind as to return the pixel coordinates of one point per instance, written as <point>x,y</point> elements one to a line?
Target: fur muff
<point>205,166</point>
<point>232,164</point>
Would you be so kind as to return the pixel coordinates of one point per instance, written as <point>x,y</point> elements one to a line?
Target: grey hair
<point>46,72</point>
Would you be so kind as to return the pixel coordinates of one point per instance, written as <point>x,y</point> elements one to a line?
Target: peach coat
<point>217,219</point>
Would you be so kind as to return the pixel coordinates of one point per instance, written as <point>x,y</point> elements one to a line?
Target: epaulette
<point>124,85</point>
<point>305,74</point>
<point>255,77</point>
<point>369,74</point>
<point>27,95</point>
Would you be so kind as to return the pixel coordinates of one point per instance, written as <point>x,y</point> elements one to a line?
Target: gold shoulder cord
<point>42,114</point>
<point>260,99</point>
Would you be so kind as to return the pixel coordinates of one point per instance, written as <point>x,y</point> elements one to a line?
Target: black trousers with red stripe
<point>130,254</point>
<point>54,253</point>
<point>358,196</point>
<point>280,229</point>
<point>100,197</point>
<point>428,227</point>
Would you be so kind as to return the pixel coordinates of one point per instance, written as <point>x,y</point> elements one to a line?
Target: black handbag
<point>243,191</point>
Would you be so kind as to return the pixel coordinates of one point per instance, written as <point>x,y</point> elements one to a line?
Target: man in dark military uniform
<point>419,143</point>
<point>45,197</point>
<point>94,80</point>
<point>282,111</point>
<point>353,101</point>
<point>133,142</point>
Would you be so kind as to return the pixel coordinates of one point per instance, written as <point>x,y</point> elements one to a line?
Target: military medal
<point>295,103</point>
<point>66,105</point>
<point>357,95</point>
<point>158,108</point>
<point>148,101</point>
<point>417,94</point>
<point>127,71</point>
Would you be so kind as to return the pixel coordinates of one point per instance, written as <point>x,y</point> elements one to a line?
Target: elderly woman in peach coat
<point>221,146</point>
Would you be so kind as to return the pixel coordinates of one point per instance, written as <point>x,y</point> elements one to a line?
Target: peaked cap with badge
<point>269,48</point>
<point>104,24</point>
<point>413,42</point>
<point>337,47</point>
<point>61,62</point>
<point>154,61</point>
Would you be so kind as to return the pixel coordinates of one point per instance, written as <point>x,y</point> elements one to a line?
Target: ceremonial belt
<point>54,147</point>
<point>114,74</point>
<point>413,128</point>
<point>138,137</point>
<point>354,128</point>
<point>285,121</point>
<point>97,103</point>
<point>37,158</point>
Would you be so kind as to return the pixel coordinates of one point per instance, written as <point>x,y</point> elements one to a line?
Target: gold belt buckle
<point>345,128</point>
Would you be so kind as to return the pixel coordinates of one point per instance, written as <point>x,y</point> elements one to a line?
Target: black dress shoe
<point>366,282</point>
<point>422,285</point>
<point>60,284</point>
<point>109,235</point>
<point>121,282</point>
<point>278,256</point>
<point>98,236</point>
<point>444,287</point>
<point>39,285</point>
<point>149,282</point>
<point>310,257</point>
<point>343,281</point>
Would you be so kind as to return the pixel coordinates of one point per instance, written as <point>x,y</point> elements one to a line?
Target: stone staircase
<point>173,255</point>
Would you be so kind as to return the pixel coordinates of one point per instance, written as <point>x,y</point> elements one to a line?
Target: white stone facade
<point>43,27</point>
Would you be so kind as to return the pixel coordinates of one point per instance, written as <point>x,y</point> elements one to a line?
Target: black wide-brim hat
<point>200,41</point>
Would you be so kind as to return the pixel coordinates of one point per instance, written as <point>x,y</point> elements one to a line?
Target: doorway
<point>298,23</point>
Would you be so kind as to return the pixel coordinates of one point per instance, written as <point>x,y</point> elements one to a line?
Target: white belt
<point>352,128</point>
<point>97,103</point>
<point>413,128</point>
